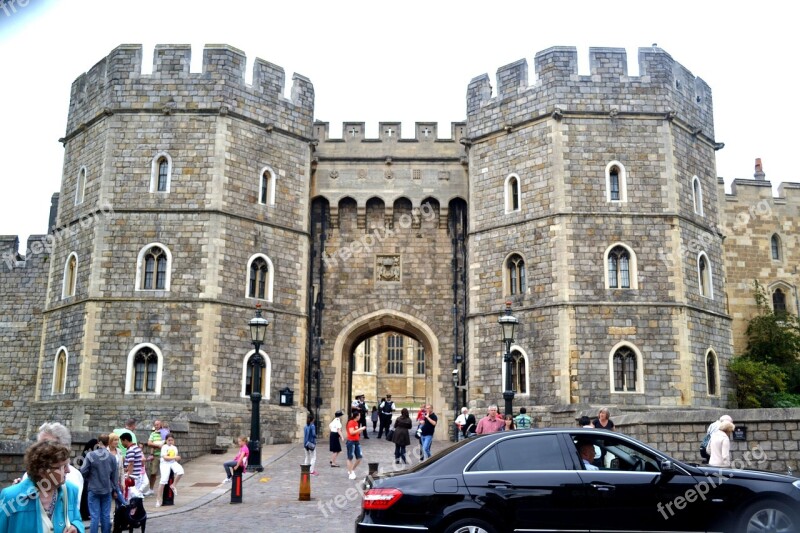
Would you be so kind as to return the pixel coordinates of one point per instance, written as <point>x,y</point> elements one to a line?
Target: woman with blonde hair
<point>719,447</point>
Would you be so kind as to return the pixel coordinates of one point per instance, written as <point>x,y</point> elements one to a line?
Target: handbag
<point>390,435</point>
<point>311,446</point>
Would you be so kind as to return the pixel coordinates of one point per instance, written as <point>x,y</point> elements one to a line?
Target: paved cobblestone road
<point>270,499</point>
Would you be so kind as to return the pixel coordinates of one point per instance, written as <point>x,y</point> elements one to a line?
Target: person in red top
<point>353,432</point>
<point>491,423</point>
<point>240,461</point>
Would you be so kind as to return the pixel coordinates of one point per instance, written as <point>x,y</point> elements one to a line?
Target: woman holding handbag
<point>310,443</point>
<point>401,438</point>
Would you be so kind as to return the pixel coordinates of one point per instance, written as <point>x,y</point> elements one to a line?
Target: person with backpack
<point>704,453</point>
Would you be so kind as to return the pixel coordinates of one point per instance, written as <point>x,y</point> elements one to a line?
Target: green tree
<point>768,372</point>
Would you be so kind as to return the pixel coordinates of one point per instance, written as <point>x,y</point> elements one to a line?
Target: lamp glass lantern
<point>258,328</point>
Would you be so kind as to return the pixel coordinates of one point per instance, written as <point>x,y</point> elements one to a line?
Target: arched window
<point>155,267</point>
<point>697,196</point>
<point>616,182</point>
<point>394,354</point>
<point>519,371</point>
<point>704,277</point>
<point>619,268</point>
<point>252,370</point>
<point>512,193</point>
<point>161,173</point>
<point>626,369</point>
<point>70,280</point>
<point>516,277</point>
<point>712,377</point>
<point>266,187</point>
<point>60,372</point>
<point>367,355</point>
<point>779,302</point>
<point>80,189</point>
<point>519,380</point>
<point>775,246</point>
<point>420,359</point>
<point>145,367</point>
<point>260,276</point>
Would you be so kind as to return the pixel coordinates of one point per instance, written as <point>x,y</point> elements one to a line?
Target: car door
<point>629,492</point>
<point>524,479</point>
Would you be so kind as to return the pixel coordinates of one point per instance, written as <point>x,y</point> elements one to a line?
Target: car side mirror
<point>667,466</point>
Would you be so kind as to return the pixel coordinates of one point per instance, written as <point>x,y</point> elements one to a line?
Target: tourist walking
<point>310,443</point>
<point>460,421</point>
<point>401,438</point>
<point>99,470</point>
<point>44,500</point>
<point>336,438</point>
<point>523,421</point>
<point>719,447</point>
<point>134,465</point>
<point>428,428</point>
<point>353,431</point>
<point>491,423</point>
<point>603,421</point>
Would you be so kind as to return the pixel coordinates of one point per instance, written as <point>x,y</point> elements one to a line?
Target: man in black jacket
<point>386,409</point>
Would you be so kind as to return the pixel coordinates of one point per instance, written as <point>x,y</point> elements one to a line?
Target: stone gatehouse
<point>189,197</point>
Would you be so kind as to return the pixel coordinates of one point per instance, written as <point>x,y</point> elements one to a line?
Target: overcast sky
<point>374,61</point>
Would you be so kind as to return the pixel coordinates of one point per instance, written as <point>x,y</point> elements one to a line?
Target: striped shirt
<point>134,455</point>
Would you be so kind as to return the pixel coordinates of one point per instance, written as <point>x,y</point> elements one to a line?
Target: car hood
<point>745,473</point>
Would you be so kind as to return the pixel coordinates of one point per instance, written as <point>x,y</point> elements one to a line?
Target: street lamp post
<point>508,322</point>
<point>258,331</point>
<point>455,393</point>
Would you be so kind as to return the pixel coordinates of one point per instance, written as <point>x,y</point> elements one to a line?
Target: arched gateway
<point>378,322</point>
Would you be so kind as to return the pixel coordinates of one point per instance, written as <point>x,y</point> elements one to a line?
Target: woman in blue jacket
<point>310,442</point>
<point>44,499</point>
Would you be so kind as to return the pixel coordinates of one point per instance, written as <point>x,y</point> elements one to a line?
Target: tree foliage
<point>767,374</point>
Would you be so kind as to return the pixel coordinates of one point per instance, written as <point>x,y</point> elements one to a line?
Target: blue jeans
<point>353,449</point>
<point>426,445</point>
<point>100,512</point>
<point>228,465</point>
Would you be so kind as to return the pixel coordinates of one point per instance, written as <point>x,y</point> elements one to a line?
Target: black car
<point>538,480</point>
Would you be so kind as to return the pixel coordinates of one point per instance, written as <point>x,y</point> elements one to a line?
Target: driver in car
<point>586,451</point>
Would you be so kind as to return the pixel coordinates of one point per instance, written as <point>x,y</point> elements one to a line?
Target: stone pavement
<point>270,498</point>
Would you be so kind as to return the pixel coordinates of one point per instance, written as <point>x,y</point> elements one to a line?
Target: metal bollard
<point>167,496</point>
<point>305,483</point>
<point>236,485</point>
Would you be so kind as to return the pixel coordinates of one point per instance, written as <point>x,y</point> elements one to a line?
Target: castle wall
<point>751,216</point>
<point>22,290</point>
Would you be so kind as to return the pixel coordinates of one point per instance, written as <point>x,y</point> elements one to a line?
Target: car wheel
<point>769,516</point>
<point>470,525</point>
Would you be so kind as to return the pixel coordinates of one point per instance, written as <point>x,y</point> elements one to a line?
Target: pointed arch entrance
<point>381,321</point>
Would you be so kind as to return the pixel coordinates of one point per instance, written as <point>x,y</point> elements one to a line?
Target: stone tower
<point>600,191</point>
<point>184,202</point>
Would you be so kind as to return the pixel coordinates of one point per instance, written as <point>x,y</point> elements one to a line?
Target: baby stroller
<point>130,516</point>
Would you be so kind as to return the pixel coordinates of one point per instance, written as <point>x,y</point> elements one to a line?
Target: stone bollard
<point>168,496</point>
<point>236,485</point>
<point>305,483</point>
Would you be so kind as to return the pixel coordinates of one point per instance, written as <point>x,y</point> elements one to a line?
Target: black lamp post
<point>258,331</point>
<point>508,322</point>
<point>455,393</point>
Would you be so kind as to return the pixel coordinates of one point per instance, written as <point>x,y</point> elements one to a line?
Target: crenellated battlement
<point>662,87</point>
<point>116,83</point>
<point>388,132</point>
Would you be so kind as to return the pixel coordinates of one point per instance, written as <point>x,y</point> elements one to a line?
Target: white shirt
<point>461,420</point>
<point>336,426</point>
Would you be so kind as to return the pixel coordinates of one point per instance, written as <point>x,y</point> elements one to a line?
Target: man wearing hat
<point>363,409</point>
<point>386,408</point>
<point>336,437</point>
